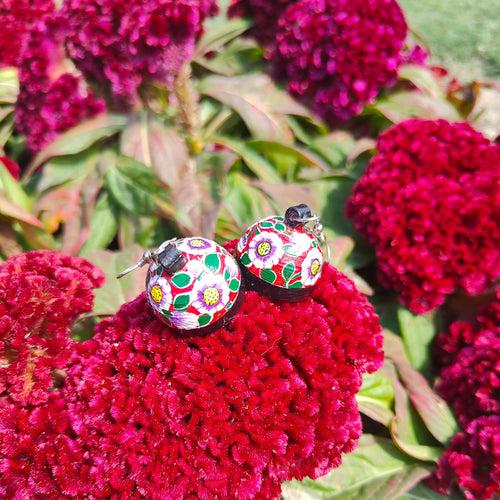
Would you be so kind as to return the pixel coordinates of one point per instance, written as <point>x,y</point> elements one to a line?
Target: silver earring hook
<point>147,257</point>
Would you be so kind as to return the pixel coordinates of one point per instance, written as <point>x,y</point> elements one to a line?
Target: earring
<point>193,285</point>
<point>281,257</point>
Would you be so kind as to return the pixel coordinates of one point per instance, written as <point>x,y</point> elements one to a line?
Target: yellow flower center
<point>264,249</point>
<point>211,296</point>
<point>315,267</point>
<point>156,293</point>
<point>197,243</point>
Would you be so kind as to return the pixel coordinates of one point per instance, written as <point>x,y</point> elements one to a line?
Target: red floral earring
<point>281,257</point>
<point>193,285</point>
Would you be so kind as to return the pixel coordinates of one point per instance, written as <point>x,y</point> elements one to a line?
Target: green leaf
<point>421,492</point>
<point>212,261</point>
<point>103,225</point>
<point>133,186</point>
<point>418,333</point>
<point>422,77</point>
<point>288,271</point>
<point>376,397</point>
<point>258,102</point>
<point>255,162</point>
<point>80,138</point>
<point>13,191</point>
<point>181,280</point>
<point>433,410</point>
<point>268,275</point>
<point>374,470</point>
<point>407,429</point>
<point>181,302</point>
<point>9,85</point>
<point>217,36</point>
<point>275,149</point>
<point>115,293</point>
<point>399,106</point>
<point>234,285</point>
<point>297,284</point>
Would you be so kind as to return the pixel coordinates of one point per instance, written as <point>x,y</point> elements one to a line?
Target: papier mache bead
<point>281,257</point>
<point>193,285</point>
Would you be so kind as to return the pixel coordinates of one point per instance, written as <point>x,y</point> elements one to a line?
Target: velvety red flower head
<point>429,204</point>
<point>120,45</point>
<point>229,415</point>
<point>51,99</point>
<point>338,54</point>
<point>472,461</point>
<point>462,334</point>
<point>41,294</point>
<point>16,20</point>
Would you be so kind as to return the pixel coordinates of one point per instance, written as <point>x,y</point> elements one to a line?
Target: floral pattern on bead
<point>275,252</point>
<point>311,267</point>
<point>196,246</point>
<point>265,250</point>
<point>210,295</point>
<point>201,292</point>
<point>159,293</point>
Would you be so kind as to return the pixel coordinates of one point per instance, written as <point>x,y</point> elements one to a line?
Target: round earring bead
<point>281,257</point>
<point>193,285</point>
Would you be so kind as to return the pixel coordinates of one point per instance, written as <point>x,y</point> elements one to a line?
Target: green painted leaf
<point>245,259</point>
<point>288,271</point>
<point>212,261</point>
<point>159,270</point>
<point>376,470</point>
<point>279,227</point>
<point>181,280</point>
<point>266,224</point>
<point>204,320</point>
<point>297,284</point>
<point>166,313</point>
<point>181,302</point>
<point>268,275</point>
<point>227,274</point>
<point>234,285</point>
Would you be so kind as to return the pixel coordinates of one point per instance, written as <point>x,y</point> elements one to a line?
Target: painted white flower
<point>300,243</point>
<point>196,268</point>
<point>196,246</point>
<point>311,267</point>
<point>184,320</point>
<point>265,250</point>
<point>159,293</point>
<point>210,294</point>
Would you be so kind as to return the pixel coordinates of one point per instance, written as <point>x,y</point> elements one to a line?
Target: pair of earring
<point>195,286</point>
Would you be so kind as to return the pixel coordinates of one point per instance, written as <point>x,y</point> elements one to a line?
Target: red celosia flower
<point>16,19</point>
<point>11,166</point>
<point>265,15</point>
<point>338,54</point>
<point>428,203</point>
<point>41,293</point>
<point>50,100</point>
<point>233,414</point>
<point>472,461</point>
<point>121,45</point>
<point>463,334</point>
